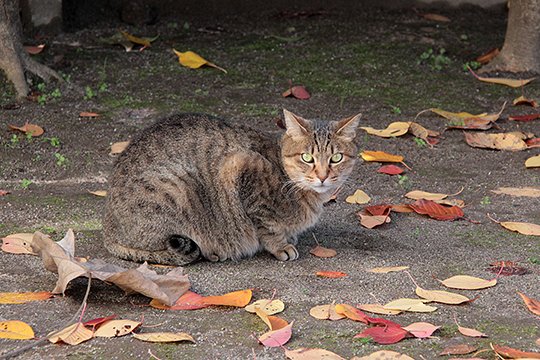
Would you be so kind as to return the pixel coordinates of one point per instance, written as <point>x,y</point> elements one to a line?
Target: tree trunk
<point>13,58</point>
<point>521,49</point>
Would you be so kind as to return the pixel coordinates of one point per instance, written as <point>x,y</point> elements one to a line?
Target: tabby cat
<point>193,185</point>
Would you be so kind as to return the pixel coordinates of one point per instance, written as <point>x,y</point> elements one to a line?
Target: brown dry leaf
<point>524,191</point>
<point>465,282</point>
<point>118,147</point>
<point>435,17</point>
<point>371,221</point>
<point>359,197</point>
<point>395,129</point>
<point>32,129</point>
<point>511,353</point>
<point>116,328</point>
<point>522,227</point>
<point>522,100</point>
<point>514,83</point>
<point>164,337</point>
<point>378,309</point>
<point>402,208</point>
<point>311,354</point>
<point>380,156</point>
<point>20,243</point>
<point>270,307</point>
<point>487,56</point>
<point>325,312</point>
<point>384,355</point>
<point>387,269</point>
<point>87,114</point>
<point>412,305</point>
<point>418,194</point>
<point>421,132</point>
<point>24,297</point>
<point>451,202</point>
<point>322,252</point>
<point>458,349</point>
<point>440,296</point>
<point>72,335</point>
<point>59,258</point>
<point>533,161</point>
<point>470,332</point>
<point>193,60</point>
<point>34,49</point>
<point>532,304</point>
<point>100,193</point>
<point>514,141</point>
<point>15,330</point>
<point>454,117</point>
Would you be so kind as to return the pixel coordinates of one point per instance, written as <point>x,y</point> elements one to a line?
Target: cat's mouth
<point>321,187</point>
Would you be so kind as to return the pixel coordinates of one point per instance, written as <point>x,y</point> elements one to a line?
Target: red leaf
<point>514,353</point>
<point>3,192</point>
<point>530,117</point>
<point>378,210</point>
<point>384,335</point>
<point>34,50</point>
<point>437,211</point>
<point>533,143</point>
<point>276,338</point>
<point>297,91</point>
<point>433,140</point>
<point>94,323</point>
<point>330,274</point>
<point>390,170</point>
<point>382,322</point>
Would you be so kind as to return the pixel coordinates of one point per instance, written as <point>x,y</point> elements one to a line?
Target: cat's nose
<point>322,177</point>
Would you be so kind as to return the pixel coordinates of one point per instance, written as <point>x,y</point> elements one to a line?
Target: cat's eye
<point>336,158</point>
<point>308,158</point>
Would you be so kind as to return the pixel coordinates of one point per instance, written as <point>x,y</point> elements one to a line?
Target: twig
<point>316,241</point>
<point>78,313</point>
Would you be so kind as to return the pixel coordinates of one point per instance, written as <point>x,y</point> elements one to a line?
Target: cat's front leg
<point>278,246</point>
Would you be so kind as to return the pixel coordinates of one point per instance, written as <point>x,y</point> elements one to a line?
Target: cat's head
<point>318,155</point>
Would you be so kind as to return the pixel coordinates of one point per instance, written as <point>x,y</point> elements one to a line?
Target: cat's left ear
<point>346,128</point>
<point>296,126</point>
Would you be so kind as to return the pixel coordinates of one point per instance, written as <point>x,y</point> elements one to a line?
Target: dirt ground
<point>351,60</point>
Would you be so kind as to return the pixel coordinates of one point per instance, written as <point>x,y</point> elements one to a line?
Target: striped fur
<point>193,185</point>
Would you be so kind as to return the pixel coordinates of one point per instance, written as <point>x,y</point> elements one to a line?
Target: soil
<point>351,60</point>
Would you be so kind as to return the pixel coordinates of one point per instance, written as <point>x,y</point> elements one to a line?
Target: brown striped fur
<point>193,185</point>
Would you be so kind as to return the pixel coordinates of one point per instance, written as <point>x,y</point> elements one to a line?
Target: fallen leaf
<point>514,141</point>
<point>418,194</point>
<point>330,274</point>
<point>470,332</point>
<point>533,143</point>
<point>194,61</point>
<point>164,337</point>
<point>402,208</point>
<point>514,83</point>
<point>487,56</point>
<point>524,191</point>
<point>118,147</point>
<point>522,100</point>
<point>533,161</point>
<point>390,170</point>
<point>86,114</point>
<point>116,328</point>
<point>421,330</point>
<point>325,312</point>
<point>238,298</point>
<point>512,353</point>
<point>20,243</point>
<point>72,335</point>
<point>378,309</point>
<point>472,124</point>
<point>435,17</point>
<point>384,335</point>
<point>522,227</point>
<point>382,322</point>
<point>412,305</point>
<point>29,129</point>
<point>532,304</point>
<point>387,269</point>
<point>24,297</point>
<point>95,323</point>
<point>418,130</point>
<point>376,210</point>
<point>359,197</point>
<point>393,130</point>
<point>276,338</point>
<point>371,221</point>
<point>100,193</point>
<point>454,117</point>
<point>384,355</point>
<point>458,349</point>
<point>437,211</point>
<point>145,42</point>
<point>188,301</point>
<point>322,252</point>
<point>311,354</point>
<point>440,296</point>
<point>380,156</point>
<point>466,282</point>
<point>270,307</point>
<point>507,268</point>
<point>34,49</point>
<point>15,330</point>
<point>298,92</point>
<point>273,322</point>
<point>351,313</point>
<point>530,117</point>
<point>4,192</point>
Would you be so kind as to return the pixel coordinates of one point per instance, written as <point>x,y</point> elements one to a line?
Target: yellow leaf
<point>138,40</point>
<point>387,269</point>
<point>115,328</point>
<point>164,337</point>
<point>72,335</point>
<point>24,297</point>
<point>455,117</point>
<point>100,193</point>
<point>522,228</point>
<point>533,161</point>
<point>325,312</point>
<point>118,147</point>
<point>514,83</point>
<point>384,355</point>
<point>236,298</point>
<point>524,191</point>
<point>378,309</point>
<point>418,130</point>
<point>273,322</point>
<point>359,197</point>
<point>393,130</point>
<point>466,282</point>
<point>16,330</point>
<point>441,296</point>
<point>20,243</point>
<point>380,156</point>
<point>418,194</point>
<point>193,60</point>
<point>413,305</point>
<point>270,307</point>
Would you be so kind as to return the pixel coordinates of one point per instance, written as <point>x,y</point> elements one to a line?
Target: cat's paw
<point>216,258</point>
<point>288,252</point>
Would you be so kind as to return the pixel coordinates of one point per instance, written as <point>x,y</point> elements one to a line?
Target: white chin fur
<point>321,188</point>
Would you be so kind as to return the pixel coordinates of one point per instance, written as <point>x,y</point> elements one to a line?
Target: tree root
<point>43,71</point>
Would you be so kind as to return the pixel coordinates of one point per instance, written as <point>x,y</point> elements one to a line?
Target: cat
<point>194,185</point>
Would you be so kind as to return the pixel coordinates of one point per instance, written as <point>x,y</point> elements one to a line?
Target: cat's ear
<point>346,128</point>
<point>295,125</point>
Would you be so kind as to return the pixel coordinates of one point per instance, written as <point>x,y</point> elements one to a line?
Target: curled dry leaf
<point>512,353</point>
<point>72,335</point>
<point>298,92</point>
<point>322,252</point>
<point>421,330</point>
<point>522,100</point>
<point>387,269</point>
<point>193,60</point>
<point>311,354</point>
<point>273,322</point>
<point>100,193</point>
<point>533,161</point>
<point>325,312</point>
<point>514,83</point>
<point>238,298</point>
<point>29,129</point>
<point>507,268</point>
<point>440,296</point>
<point>524,118</point>
<point>15,330</point>
<point>401,208</point>
<point>34,49</point>
<point>145,42</point>
<point>378,209</point>
<point>384,335</point>
<point>390,170</point>
<point>188,301</point>
<point>437,211</point>
<point>393,130</point>
<point>164,337</point>
<point>277,338</point>
<point>458,349</point>
<point>532,304</point>
<point>118,147</point>
<point>116,328</point>
<point>418,194</point>
<point>466,282</point>
<point>352,313</point>
<point>359,197</point>
<point>412,305</point>
<point>371,221</point>
<point>378,309</point>
<point>20,243</point>
<point>384,355</point>
<point>330,274</point>
<point>524,191</point>
<point>487,56</point>
<point>380,156</point>
<point>270,307</point>
<point>435,17</point>
<point>514,141</point>
<point>453,117</point>
<point>87,114</point>
<point>24,297</point>
<point>95,323</point>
